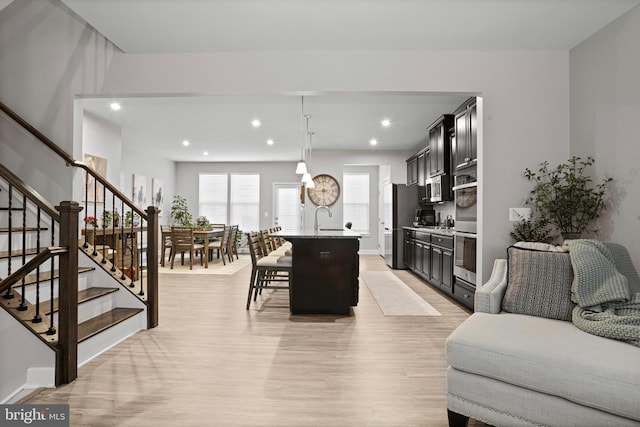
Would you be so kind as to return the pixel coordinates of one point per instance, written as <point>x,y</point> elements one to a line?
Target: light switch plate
<point>519,214</point>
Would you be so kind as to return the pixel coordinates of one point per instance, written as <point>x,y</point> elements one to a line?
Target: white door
<point>287,209</point>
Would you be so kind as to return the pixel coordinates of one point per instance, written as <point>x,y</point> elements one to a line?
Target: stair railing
<point>128,248</point>
<point>61,223</point>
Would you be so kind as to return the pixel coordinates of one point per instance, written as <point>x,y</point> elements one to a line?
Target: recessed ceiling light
<point>115,106</point>
<point>206,153</point>
<point>373,142</point>
<point>185,143</point>
<point>255,123</point>
<point>269,141</point>
<point>386,123</point>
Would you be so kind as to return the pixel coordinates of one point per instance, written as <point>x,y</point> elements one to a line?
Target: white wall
<point>47,55</point>
<point>605,107</point>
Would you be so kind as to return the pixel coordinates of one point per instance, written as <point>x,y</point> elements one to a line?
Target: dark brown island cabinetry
<point>429,254</point>
<point>465,143</point>
<point>440,145</point>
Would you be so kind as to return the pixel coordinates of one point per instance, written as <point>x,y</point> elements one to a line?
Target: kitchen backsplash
<point>445,209</point>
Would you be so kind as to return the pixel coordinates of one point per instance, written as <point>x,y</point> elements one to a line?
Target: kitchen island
<point>324,277</point>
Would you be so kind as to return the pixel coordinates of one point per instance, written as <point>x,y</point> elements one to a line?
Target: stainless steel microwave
<point>438,189</point>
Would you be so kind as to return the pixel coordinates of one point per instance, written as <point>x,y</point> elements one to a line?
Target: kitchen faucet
<point>315,222</point>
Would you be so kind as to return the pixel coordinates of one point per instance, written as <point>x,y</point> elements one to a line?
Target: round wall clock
<point>326,191</point>
<point>466,197</point>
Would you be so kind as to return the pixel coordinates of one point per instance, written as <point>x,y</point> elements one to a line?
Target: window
<point>230,199</point>
<point>244,207</point>
<point>213,194</point>
<point>356,200</point>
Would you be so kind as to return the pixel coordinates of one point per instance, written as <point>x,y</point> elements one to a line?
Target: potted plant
<point>566,197</point>
<point>180,211</point>
<point>106,218</point>
<point>91,221</point>
<point>203,222</point>
<point>531,230</point>
<point>131,218</point>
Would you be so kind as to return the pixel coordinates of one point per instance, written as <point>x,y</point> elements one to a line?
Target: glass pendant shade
<point>306,178</point>
<point>310,184</point>
<point>301,168</point>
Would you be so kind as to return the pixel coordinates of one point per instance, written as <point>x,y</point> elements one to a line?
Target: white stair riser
<point>98,344</point>
<point>45,288</point>
<point>94,307</point>
<point>31,239</point>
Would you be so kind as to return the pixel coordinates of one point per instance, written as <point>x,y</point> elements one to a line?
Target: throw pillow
<point>538,283</point>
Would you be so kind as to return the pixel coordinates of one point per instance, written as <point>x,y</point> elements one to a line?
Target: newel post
<point>152,266</point>
<point>67,366</point>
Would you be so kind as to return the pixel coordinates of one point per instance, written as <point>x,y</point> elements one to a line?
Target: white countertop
<point>322,234</point>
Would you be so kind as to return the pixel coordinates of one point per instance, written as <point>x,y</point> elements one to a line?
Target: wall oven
<point>465,194</point>
<point>464,254</point>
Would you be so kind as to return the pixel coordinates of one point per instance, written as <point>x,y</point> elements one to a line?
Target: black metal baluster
<point>104,225</point>
<point>133,258</point>
<point>95,214</point>
<point>52,329</point>
<point>23,306</point>
<point>86,198</point>
<point>140,274</point>
<point>37,318</point>
<point>122,245</point>
<point>113,236</point>
<point>9,294</point>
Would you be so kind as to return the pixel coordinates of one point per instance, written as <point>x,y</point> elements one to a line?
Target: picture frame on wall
<point>157,192</point>
<point>140,191</point>
<point>93,192</point>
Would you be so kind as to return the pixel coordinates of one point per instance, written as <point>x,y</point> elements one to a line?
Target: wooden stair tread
<point>93,326</point>
<point>46,275</point>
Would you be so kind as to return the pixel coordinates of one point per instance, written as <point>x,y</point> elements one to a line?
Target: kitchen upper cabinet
<point>423,166</point>
<point>440,145</point>
<point>465,147</point>
<point>412,170</point>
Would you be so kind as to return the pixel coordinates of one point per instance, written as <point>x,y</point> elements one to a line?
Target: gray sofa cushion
<point>539,283</point>
<point>550,356</point>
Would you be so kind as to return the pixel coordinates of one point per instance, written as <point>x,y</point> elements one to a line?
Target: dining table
<point>203,234</point>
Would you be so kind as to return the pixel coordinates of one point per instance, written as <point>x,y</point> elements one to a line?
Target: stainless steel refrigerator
<point>400,204</point>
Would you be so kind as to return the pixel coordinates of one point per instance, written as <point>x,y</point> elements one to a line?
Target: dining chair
<point>266,269</point>
<point>166,242</point>
<point>232,244</point>
<point>221,244</point>
<point>183,240</point>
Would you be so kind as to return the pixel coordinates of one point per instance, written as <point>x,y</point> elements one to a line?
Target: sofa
<point>523,368</point>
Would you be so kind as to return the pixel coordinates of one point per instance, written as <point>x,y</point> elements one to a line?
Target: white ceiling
<point>221,124</point>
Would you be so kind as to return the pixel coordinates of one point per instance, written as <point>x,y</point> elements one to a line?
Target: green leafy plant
<point>531,230</point>
<point>203,222</point>
<point>106,218</point>
<point>131,218</point>
<point>180,211</point>
<point>565,196</point>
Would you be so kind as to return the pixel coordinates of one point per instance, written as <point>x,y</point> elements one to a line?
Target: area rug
<point>394,297</point>
<point>215,266</point>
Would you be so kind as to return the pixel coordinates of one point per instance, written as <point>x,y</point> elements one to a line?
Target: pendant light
<point>301,167</point>
<point>306,178</point>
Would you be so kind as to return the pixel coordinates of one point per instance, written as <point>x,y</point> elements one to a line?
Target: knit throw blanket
<point>606,289</point>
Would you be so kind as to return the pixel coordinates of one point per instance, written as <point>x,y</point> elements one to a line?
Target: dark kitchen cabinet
<point>465,147</point>
<point>440,145</point>
<point>422,166</point>
<point>442,262</point>
<point>412,170</point>
<point>423,254</point>
<point>417,256</point>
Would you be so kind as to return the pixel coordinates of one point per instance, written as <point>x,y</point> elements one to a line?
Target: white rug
<point>394,297</point>
<point>215,266</point>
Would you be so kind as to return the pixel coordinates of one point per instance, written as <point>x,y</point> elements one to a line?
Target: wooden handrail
<point>34,196</point>
<point>70,161</point>
<point>39,259</point>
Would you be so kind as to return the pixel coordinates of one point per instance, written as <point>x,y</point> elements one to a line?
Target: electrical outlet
<point>519,214</point>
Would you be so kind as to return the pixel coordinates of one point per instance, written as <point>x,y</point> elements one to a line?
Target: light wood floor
<point>211,363</point>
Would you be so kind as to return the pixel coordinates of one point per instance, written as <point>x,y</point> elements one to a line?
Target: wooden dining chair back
<point>221,245</point>
<point>183,240</point>
<point>266,270</point>
<point>232,244</point>
<point>165,232</point>
<point>267,247</point>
